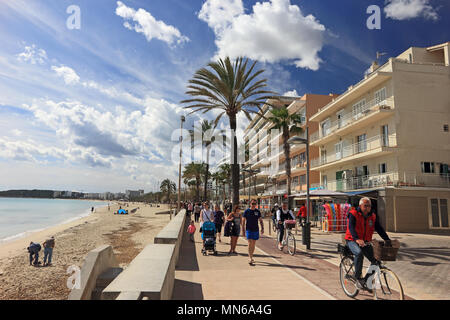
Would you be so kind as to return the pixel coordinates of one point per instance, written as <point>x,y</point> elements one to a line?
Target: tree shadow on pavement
<point>268,264</point>
<point>439,253</point>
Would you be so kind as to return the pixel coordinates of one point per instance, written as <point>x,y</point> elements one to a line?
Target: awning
<point>321,193</point>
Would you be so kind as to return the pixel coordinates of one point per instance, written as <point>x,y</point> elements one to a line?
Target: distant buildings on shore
<point>129,194</point>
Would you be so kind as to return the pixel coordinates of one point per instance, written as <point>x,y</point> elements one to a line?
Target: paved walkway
<point>224,277</point>
<point>423,267</point>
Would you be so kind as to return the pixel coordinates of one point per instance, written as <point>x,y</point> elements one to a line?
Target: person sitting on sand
<point>49,244</point>
<point>34,249</point>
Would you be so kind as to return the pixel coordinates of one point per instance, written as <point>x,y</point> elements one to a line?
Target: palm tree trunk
<point>197,189</point>
<point>205,193</point>
<point>287,155</point>
<point>234,164</point>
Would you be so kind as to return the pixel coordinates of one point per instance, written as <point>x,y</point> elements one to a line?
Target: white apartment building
<point>388,135</point>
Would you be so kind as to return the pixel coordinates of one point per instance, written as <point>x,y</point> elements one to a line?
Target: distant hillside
<point>27,194</point>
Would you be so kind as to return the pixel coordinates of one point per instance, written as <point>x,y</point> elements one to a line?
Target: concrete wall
<point>97,261</point>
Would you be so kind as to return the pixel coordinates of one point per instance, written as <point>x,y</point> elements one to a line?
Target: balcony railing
<point>396,179</point>
<point>350,117</point>
<point>357,148</point>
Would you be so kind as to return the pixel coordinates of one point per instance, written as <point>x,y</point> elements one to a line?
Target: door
<point>339,180</point>
<point>338,150</point>
<point>384,136</point>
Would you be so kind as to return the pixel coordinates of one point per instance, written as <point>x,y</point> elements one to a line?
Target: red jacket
<point>302,212</point>
<point>364,227</point>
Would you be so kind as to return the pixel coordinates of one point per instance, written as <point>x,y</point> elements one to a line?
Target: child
<point>191,229</point>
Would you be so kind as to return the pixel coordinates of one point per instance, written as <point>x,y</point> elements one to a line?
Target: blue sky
<point>94,108</point>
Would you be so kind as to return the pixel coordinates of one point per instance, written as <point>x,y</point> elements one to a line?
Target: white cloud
<point>146,24</point>
<point>292,93</point>
<point>33,55</point>
<point>275,31</point>
<point>68,74</point>
<point>409,9</point>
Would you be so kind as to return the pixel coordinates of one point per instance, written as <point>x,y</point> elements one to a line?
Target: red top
<point>302,212</point>
<point>364,227</point>
<point>191,228</point>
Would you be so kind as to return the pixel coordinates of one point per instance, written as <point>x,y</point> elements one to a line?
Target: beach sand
<point>128,235</point>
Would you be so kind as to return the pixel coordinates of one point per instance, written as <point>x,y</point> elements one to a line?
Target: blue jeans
<point>36,257</point>
<point>48,252</point>
<point>359,253</point>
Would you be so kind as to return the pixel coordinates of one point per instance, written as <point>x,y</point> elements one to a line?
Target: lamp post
<point>183,119</point>
<point>306,229</point>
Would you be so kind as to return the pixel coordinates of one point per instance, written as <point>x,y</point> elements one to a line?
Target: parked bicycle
<point>379,280</point>
<point>288,238</point>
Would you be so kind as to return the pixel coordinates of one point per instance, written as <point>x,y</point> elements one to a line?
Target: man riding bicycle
<point>360,227</point>
<point>283,214</point>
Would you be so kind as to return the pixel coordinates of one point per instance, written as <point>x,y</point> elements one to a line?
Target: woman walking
<point>235,218</point>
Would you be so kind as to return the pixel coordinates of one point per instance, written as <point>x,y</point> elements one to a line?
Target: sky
<point>90,91</point>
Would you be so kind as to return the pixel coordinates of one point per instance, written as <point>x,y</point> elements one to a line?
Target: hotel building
<point>266,153</point>
<point>388,137</point>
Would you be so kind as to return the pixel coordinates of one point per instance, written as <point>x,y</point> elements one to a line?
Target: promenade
<point>423,267</point>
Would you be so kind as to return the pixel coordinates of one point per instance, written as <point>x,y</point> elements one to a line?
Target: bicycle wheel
<point>387,286</point>
<point>346,271</point>
<point>290,244</point>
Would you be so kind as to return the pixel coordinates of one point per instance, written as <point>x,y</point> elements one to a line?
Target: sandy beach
<point>128,234</point>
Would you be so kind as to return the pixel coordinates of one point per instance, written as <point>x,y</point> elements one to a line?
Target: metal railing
<point>396,179</point>
<point>350,117</point>
<point>366,145</point>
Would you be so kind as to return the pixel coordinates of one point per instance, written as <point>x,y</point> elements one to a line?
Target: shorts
<point>252,235</point>
<point>218,227</point>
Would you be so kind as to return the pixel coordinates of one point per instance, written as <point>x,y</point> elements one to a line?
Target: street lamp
<point>306,229</point>
<point>183,119</point>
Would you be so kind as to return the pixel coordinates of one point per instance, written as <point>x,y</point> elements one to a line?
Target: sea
<point>22,216</point>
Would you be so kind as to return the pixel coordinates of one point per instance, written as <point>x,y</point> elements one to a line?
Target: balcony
<point>395,179</point>
<point>368,148</point>
<point>371,112</point>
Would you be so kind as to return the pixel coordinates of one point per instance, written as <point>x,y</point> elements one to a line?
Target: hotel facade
<point>386,137</point>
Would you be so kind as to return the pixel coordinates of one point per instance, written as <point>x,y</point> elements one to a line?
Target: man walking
<point>197,210</point>
<point>250,225</point>
<point>49,244</point>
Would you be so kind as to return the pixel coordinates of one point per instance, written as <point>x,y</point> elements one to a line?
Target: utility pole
<point>183,119</point>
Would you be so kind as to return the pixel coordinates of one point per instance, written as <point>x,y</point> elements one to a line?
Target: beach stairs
<point>103,281</point>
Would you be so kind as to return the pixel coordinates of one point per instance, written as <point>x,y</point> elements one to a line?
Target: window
<point>302,180</point>
<point>427,167</point>
<point>323,156</point>
<point>338,150</point>
<point>295,181</point>
<point>325,181</point>
<point>382,168</point>
<point>439,213</point>
<point>362,143</point>
<point>358,109</point>
<point>325,126</point>
<point>380,95</point>
<point>302,158</point>
<point>339,116</point>
<point>385,136</point>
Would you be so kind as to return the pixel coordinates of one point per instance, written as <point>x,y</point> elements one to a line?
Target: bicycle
<point>380,280</point>
<point>288,238</point>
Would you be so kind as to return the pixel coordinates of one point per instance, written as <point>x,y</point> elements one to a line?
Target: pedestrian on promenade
<point>33,250</point>
<point>197,210</point>
<point>283,214</point>
<point>190,208</point>
<point>206,215</point>
<point>191,230</point>
<point>301,215</point>
<point>235,218</point>
<point>250,221</point>
<point>49,244</point>
<point>219,220</point>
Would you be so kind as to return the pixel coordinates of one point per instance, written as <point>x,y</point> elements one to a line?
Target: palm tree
<point>217,178</point>
<point>230,88</point>
<point>225,173</point>
<point>289,124</point>
<point>168,187</point>
<point>195,171</point>
<point>207,128</point>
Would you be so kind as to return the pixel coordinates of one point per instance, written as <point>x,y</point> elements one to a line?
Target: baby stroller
<point>209,235</point>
